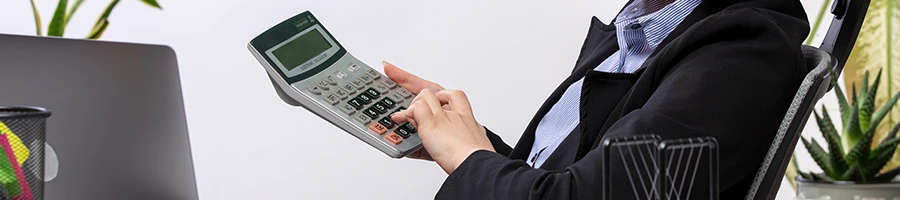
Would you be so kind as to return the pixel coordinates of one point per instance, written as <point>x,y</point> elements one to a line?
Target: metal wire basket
<point>22,138</point>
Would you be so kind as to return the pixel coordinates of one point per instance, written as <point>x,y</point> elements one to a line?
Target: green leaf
<point>152,3</point>
<point>58,24</point>
<point>868,103</point>
<point>888,175</point>
<point>73,10</point>
<point>37,19</point>
<point>820,156</point>
<point>852,132</point>
<point>822,177</point>
<point>884,110</point>
<point>806,175</point>
<point>98,31</point>
<point>835,150</point>
<point>860,151</point>
<point>815,27</point>
<point>851,173</point>
<point>878,163</point>
<point>886,146</point>
<point>842,101</point>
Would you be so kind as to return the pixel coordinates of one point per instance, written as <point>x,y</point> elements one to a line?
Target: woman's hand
<point>414,84</point>
<point>446,126</point>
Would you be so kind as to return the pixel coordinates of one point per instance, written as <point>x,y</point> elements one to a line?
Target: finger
<point>407,80</point>
<point>421,113</point>
<point>428,97</point>
<point>457,100</point>
<point>403,117</point>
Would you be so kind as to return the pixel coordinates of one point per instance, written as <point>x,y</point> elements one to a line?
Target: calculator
<point>310,69</point>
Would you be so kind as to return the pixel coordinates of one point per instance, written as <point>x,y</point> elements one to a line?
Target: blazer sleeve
<point>735,89</point>
<point>501,147</point>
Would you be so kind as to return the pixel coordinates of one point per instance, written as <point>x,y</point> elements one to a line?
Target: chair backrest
<point>830,56</point>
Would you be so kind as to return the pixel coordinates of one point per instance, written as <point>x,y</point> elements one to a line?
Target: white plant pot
<point>847,191</point>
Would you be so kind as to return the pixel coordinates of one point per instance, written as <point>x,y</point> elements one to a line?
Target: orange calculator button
<point>378,128</point>
<point>394,138</point>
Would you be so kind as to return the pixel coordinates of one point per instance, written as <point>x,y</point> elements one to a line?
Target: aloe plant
<point>850,155</point>
<point>64,12</point>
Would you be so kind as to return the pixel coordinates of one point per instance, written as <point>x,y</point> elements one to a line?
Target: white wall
<point>507,54</point>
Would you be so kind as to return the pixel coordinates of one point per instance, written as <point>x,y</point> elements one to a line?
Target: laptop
<point>118,126</point>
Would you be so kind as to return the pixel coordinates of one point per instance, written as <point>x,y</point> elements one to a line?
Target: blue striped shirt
<point>640,28</point>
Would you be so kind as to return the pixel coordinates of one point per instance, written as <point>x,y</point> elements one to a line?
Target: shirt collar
<point>656,22</point>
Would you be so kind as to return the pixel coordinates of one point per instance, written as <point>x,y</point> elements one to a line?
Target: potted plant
<point>852,165</point>
<point>64,12</point>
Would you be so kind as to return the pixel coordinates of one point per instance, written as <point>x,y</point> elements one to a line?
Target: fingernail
<point>385,63</point>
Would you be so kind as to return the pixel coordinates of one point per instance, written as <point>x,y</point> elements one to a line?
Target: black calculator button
<point>358,84</point>
<point>371,113</point>
<point>322,84</point>
<point>331,80</point>
<point>397,97</point>
<point>365,98</point>
<point>349,88</point>
<point>356,103</point>
<point>389,83</point>
<point>401,108</point>
<point>331,98</point>
<point>405,93</point>
<point>388,102</point>
<point>316,90</point>
<point>386,121</point>
<point>403,132</point>
<point>372,93</point>
<point>362,118</point>
<point>347,108</point>
<point>409,127</point>
<point>381,108</point>
<point>365,78</point>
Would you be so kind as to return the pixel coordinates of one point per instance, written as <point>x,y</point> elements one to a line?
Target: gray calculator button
<point>388,82</point>
<point>404,92</point>
<point>347,109</point>
<point>322,84</point>
<point>365,78</point>
<point>349,88</point>
<point>331,80</point>
<point>316,90</point>
<point>331,98</point>
<point>359,84</point>
<point>397,97</point>
<point>382,88</point>
<point>341,92</point>
<point>361,118</point>
<point>374,74</point>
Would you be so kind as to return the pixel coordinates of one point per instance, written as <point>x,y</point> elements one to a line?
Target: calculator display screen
<point>300,50</point>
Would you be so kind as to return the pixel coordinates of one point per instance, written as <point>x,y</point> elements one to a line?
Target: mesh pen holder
<point>22,138</point>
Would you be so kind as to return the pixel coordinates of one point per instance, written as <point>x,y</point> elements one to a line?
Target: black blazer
<point>729,71</point>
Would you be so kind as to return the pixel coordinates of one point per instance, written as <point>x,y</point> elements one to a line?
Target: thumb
<point>407,80</point>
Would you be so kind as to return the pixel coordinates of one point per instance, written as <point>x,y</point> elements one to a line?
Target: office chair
<point>829,57</point>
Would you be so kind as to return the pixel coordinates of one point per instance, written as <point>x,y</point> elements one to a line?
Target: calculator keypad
<point>368,98</point>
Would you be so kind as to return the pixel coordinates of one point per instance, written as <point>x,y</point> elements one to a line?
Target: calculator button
<point>358,84</point>
<point>408,127</point>
<point>341,92</point>
<point>401,108</point>
<point>405,93</point>
<point>347,109</point>
<point>378,128</point>
<point>364,98</point>
<point>349,88</point>
<point>386,121</point>
<point>397,97</point>
<point>340,74</point>
<point>331,80</point>
<point>356,103</point>
<point>372,93</point>
<point>388,102</point>
<point>394,138</point>
<point>316,90</point>
<point>353,68</point>
<point>373,73</point>
<point>322,84</point>
<point>381,88</point>
<point>388,82</point>
<point>365,78</point>
<point>362,118</point>
<point>381,108</point>
<point>332,98</point>
<point>371,113</point>
<point>403,132</point>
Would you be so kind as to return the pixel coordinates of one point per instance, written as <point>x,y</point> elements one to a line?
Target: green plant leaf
<point>888,175</point>
<point>98,31</point>
<point>877,163</point>
<point>851,173</point>
<point>805,175</point>
<point>852,132</point>
<point>58,23</point>
<point>152,3</point>
<point>815,27</point>
<point>37,19</point>
<point>842,101</point>
<point>835,150</point>
<point>886,146</point>
<point>867,99</point>
<point>103,21</point>
<point>822,177</point>
<point>73,10</point>
<point>820,156</point>
<point>883,111</point>
<point>860,151</point>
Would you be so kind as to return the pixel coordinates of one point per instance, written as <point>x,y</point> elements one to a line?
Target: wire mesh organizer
<point>22,159</point>
<point>645,167</point>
